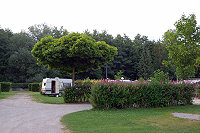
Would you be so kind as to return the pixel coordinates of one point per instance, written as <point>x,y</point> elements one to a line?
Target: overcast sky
<point>146,17</point>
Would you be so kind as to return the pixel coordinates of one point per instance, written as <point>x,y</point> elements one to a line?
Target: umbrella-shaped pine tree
<point>73,53</point>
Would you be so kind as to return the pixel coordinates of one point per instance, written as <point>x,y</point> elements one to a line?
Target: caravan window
<point>44,84</point>
<point>67,84</point>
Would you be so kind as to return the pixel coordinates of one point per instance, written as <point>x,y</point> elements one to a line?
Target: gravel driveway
<point>19,114</point>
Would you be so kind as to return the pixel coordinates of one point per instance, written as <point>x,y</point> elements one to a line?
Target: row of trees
<point>16,61</point>
<point>136,58</point>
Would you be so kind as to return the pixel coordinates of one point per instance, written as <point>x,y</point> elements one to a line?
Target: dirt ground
<point>19,114</point>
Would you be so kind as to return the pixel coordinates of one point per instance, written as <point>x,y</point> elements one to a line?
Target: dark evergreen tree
<point>145,64</point>
<point>5,35</point>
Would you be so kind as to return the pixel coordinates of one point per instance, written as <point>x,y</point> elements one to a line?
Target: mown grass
<point>46,99</point>
<point>145,120</point>
<point>4,95</point>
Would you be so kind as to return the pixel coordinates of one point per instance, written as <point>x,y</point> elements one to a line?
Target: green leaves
<point>197,63</point>
<point>116,94</point>
<point>183,45</point>
<point>75,50</point>
<point>41,30</point>
<point>80,93</point>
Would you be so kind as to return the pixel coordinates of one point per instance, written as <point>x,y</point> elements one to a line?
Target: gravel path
<point>19,114</point>
<point>189,116</point>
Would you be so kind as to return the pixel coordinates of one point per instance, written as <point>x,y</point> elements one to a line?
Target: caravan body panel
<point>54,86</point>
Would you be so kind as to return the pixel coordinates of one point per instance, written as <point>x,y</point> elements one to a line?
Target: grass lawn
<point>4,95</point>
<point>150,120</point>
<point>46,99</point>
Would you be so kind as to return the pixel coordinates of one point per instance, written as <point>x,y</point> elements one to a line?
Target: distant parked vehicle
<point>54,86</point>
<point>191,81</point>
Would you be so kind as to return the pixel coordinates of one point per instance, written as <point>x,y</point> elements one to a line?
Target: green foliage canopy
<point>74,52</point>
<point>145,63</point>
<point>160,76</point>
<point>183,46</point>
<point>42,30</point>
<point>119,75</point>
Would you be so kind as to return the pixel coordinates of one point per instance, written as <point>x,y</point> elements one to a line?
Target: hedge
<point>116,94</point>
<point>29,86</point>
<point>0,88</point>
<point>19,85</point>
<point>35,87</point>
<point>5,86</point>
<point>197,91</point>
<point>80,93</point>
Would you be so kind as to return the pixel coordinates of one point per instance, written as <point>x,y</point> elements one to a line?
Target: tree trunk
<point>73,76</point>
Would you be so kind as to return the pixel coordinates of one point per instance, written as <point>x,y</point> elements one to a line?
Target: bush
<point>160,76</point>
<point>197,92</point>
<point>29,87</point>
<point>78,94</point>
<point>119,75</point>
<point>5,86</point>
<point>19,85</point>
<point>35,87</point>
<point>0,88</point>
<point>116,94</point>
<point>87,80</point>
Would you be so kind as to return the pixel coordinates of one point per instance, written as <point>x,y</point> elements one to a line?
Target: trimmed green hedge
<point>116,94</point>
<point>19,85</point>
<point>80,93</point>
<point>5,86</point>
<point>29,86</point>
<point>197,95</point>
<point>35,87</point>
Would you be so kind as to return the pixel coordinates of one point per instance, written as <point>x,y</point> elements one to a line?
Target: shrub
<point>78,94</point>
<point>35,87</point>
<point>19,85</point>
<point>29,87</point>
<point>5,86</point>
<point>160,76</point>
<point>108,95</point>
<point>87,80</point>
<point>119,75</point>
<point>116,94</point>
<point>197,92</point>
<point>141,79</point>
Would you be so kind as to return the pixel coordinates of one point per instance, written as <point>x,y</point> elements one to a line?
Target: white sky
<point>146,17</point>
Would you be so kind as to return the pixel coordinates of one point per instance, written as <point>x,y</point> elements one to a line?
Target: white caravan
<point>54,86</point>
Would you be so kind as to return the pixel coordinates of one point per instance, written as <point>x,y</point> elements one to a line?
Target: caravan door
<point>53,86</point>
<point>57,86</point>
